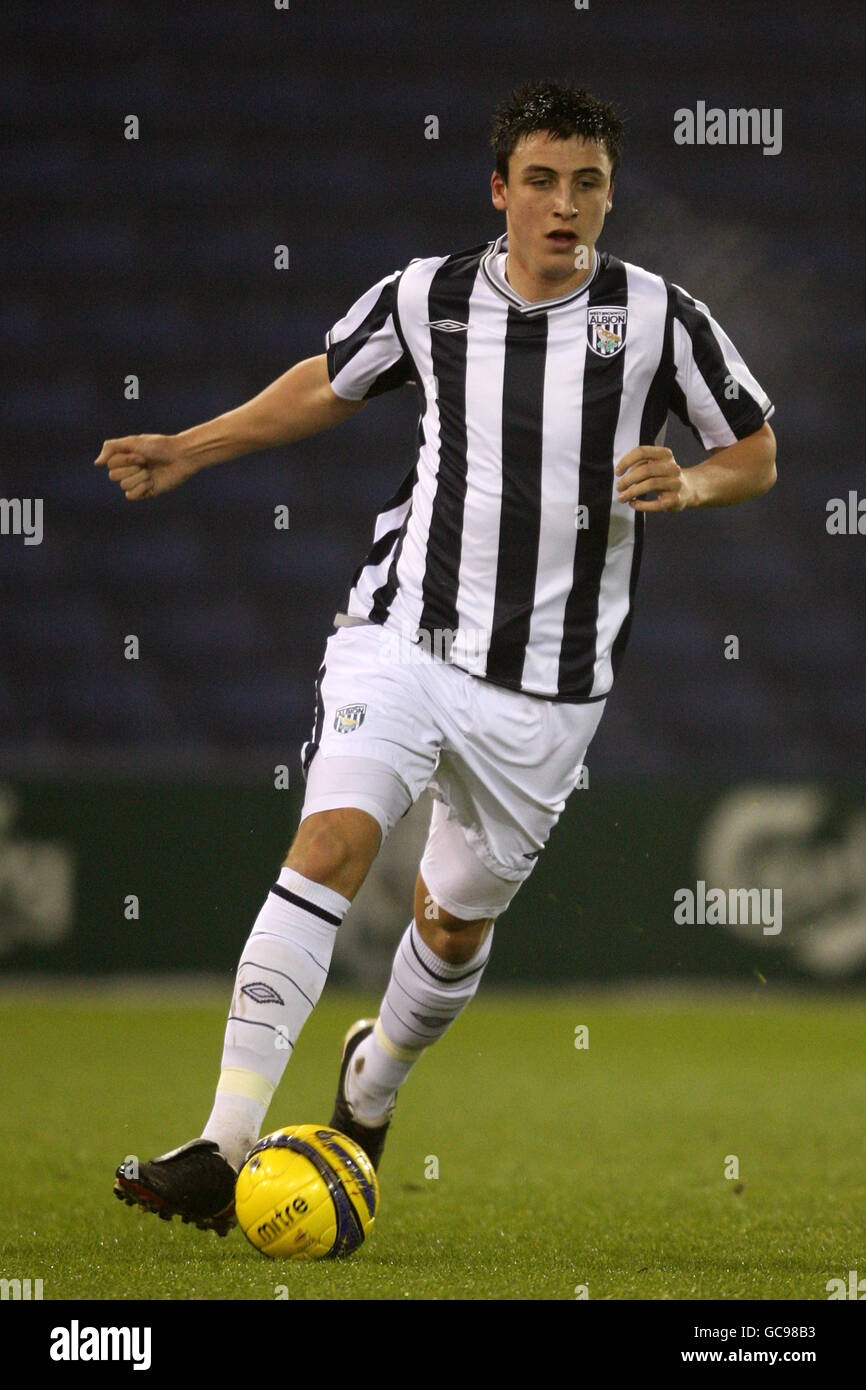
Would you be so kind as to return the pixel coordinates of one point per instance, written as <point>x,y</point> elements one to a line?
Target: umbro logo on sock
<point>262,993</point>
<point>426,1020</point>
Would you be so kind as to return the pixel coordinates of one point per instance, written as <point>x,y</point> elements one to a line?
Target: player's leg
<point>279,979</point>
<point>284,966</point>
<point>436,972</point>
<point>371,753</point>
<point>351,805</point>
<point>455,940</point>
<point>508,764</point>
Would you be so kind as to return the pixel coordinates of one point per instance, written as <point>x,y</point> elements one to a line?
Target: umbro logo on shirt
<point>448,325</point>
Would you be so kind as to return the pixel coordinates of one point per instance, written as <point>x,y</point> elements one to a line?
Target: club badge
<point>349,718</point>
<point>605,330</point>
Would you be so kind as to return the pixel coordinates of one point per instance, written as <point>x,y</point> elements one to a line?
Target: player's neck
<point>533,288</point>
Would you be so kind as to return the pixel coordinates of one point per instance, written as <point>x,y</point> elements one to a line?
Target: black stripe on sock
<point>444,979</point>
<point>317,911</point>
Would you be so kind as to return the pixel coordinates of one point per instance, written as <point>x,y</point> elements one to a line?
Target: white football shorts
<point>392,719</point>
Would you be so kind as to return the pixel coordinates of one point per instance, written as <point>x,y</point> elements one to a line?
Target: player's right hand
<point>144,465</point>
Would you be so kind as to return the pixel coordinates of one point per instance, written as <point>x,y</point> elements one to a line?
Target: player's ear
<point>609,203</point>
<point>498,190</point>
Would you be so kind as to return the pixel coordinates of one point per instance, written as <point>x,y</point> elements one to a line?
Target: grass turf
<point>560,1168</point>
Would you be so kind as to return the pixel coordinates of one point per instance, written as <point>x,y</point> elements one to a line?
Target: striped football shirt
<point>505,543</point>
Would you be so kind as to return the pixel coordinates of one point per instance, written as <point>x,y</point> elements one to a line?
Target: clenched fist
<point>145,465</point>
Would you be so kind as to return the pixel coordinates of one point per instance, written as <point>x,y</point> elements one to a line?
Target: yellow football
<point>306,1192</point>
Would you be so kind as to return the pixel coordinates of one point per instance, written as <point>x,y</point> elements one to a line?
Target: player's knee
<point>453,940</point>
<point>335,848</point>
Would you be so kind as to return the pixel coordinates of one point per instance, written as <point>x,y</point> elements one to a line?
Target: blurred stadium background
<point>154,257</point>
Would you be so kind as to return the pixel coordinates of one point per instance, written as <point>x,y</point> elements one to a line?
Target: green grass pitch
<point>608,1168</point>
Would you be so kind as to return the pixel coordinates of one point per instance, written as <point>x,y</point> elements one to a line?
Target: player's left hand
<point>650,469</point>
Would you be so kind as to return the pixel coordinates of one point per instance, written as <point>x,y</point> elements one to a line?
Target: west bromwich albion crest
<point>605,330</point>
<point>349,717</point>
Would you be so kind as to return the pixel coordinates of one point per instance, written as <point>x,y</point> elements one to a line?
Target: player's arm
<point>299,403</point>
<point>744,469</point>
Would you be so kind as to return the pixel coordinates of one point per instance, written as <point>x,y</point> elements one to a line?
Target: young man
<point>483,630</point>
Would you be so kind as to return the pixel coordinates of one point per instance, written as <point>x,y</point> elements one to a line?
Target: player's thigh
<point>370,705</point>
<point>507,771</point>
<point>453,878</point>
<point>372,750</point>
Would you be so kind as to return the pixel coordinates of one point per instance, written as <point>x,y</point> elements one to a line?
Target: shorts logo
<point>605,331</point>
<point>348,718</point>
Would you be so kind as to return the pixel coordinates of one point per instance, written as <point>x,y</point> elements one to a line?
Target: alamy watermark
<point>722,907</point>
<point>20,1290</point>
<point>22,516</point>
<point>466,647</point>
<point>846,516</point>
<point>77,1343</point>
<point>737,126</point>
<point>854,1288</point>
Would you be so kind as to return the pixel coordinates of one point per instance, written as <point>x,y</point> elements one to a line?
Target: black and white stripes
<point>506,532</point>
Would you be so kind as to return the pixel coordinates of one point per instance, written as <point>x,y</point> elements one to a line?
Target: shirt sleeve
<point>366,352</point>
<point>713,390</point>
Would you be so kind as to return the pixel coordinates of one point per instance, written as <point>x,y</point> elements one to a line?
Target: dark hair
<point>563,111</point>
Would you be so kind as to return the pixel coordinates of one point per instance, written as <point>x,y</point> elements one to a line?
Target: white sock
<point>280,977</point>
<point>424,996</point>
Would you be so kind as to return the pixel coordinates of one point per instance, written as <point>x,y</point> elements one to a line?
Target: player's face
<point>556,199</point>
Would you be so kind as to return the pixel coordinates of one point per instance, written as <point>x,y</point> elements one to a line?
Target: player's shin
<point>424,996</point>
<point>280,977</point>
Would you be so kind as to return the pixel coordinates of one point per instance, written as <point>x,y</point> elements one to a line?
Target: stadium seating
<point>155,258</point>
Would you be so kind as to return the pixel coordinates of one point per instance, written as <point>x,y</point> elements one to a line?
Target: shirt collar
<point>495,277</point>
